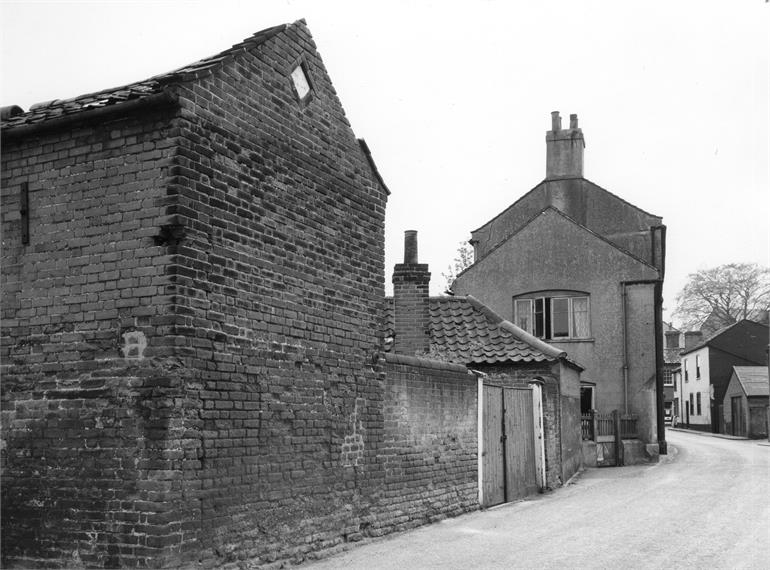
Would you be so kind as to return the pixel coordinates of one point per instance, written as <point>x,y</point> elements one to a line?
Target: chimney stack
<point>411,301</point>
<point>692,338</point>
<point>564,149</point>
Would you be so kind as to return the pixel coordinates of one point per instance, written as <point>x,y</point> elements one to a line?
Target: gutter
<point>156,100</point>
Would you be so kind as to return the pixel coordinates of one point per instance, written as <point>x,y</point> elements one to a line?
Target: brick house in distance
<point>582,269</point>
<point>192,354</point>
<point>707,366</point>
<point>527,388</point>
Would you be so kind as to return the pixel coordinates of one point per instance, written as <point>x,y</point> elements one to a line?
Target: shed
<point>746,401</point>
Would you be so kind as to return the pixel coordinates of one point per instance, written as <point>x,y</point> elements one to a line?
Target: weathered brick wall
<point>92,441</point>
<point>192,360</point>
<point>522,375</point>
<point>430,445</point>
<point>280,278</point>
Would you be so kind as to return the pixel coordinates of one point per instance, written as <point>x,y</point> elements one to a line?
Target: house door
<point>510,447</point>
<point>739,420</point>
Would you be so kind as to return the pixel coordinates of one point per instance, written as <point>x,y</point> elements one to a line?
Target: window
<point>301,82</point>
<point>697,367</point>
<point>561,316</point>
<point>692,407</point>
<point>686,374</point>
<point>697,402</point>
<point>668,377</point>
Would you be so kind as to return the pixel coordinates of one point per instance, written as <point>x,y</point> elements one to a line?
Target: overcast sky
<point>454,99</point>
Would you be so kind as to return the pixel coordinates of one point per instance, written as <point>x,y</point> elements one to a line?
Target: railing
<point>596,426</point>
<point>629,428</point>
<point>587,426</point>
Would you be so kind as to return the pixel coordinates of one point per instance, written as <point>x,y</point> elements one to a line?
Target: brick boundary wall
<point>430,443</point>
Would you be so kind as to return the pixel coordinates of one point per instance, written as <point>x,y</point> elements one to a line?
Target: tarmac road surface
<point>705,505</point>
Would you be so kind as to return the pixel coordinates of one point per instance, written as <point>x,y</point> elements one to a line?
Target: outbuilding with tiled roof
<point>745,405</point>
<point>463,330</point>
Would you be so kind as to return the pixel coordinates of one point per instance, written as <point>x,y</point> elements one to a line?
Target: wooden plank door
<point>739,420</point>
<point>492,467</point>
<point>520,461</point>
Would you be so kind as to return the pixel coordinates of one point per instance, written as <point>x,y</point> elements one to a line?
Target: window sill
<point>572,340</point>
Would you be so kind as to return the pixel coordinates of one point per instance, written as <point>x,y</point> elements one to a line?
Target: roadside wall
<point>429,451</point>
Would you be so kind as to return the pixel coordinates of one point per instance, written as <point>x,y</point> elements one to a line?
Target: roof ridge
<point>41,113</point>
<point>545,180</point>
<point>718,333</point>
<point>565,216</point>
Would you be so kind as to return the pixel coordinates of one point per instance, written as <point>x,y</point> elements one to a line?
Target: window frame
<point>541,314</point>
<point>303,100</point>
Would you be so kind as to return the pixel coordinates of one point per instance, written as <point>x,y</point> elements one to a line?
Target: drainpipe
<point>625,348</point>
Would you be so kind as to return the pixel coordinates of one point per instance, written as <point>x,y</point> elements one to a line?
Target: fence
<point>596,426</point>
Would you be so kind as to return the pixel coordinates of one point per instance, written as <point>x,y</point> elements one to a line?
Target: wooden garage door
<point>520,444</point>
<point>509,454</point>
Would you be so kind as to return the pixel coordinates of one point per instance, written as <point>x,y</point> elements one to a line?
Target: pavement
<point>704,505</point>
<point>764,442</point>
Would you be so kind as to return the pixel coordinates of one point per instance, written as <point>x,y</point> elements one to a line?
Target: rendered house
<point>582,269</point>
<point>524,383</point>
<point>193,370</point>
<point>745,406</point>
<point>707,367</point>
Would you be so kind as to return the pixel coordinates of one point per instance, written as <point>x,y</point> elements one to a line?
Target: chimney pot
<point>410,247</point>
<point>564,149</point>
<point>555,121</point>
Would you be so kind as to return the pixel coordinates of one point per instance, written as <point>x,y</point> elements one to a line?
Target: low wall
<point>430,443</point>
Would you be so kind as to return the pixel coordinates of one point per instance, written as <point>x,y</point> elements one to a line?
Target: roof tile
<point>463,332</point>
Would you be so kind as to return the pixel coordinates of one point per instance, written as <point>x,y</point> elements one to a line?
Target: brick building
<point>192,360</point>
<point>582,269</point>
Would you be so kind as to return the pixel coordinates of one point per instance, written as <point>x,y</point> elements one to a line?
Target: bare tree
<point>462,261</point>
<point>724,295</point>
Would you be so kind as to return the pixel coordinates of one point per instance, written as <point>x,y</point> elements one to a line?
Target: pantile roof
<point>13,116</point>
<point>462,329</point>
<point>753,379</point>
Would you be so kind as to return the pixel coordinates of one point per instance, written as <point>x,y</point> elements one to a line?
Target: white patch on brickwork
<point>353,446</point>
<point>134,344</point>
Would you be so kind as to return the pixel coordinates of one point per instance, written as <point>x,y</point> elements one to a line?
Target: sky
<point>454,99</point>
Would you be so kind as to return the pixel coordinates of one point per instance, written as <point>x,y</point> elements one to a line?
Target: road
<point>705,505</point>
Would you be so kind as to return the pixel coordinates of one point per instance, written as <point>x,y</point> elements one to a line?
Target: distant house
<point>744,407</point>
<point>529,391</point>
<point>582,269</point>
<point>707,367</point>
<point>673,340</point>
